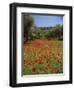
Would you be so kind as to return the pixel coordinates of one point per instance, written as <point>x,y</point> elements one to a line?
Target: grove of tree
<point>31,31</point>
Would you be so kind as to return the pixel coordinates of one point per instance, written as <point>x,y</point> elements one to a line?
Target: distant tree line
<point>33,32</point>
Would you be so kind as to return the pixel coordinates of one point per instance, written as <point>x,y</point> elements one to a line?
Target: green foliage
<point>49,33</point>
<point>32,32</point>
<point>55,32</point>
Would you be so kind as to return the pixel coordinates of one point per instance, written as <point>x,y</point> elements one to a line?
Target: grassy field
<point>42,56</point>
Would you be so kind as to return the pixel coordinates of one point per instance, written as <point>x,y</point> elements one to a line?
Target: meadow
<point>42,56</point>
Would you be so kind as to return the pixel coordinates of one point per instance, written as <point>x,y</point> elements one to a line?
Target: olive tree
<point>28,23</point>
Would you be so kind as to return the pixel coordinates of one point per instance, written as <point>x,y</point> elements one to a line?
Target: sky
<point>47,20</point>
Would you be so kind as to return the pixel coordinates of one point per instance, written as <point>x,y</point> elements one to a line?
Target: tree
<point>28,23</point>
<point>55,32</point>
<point>59,31</point>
